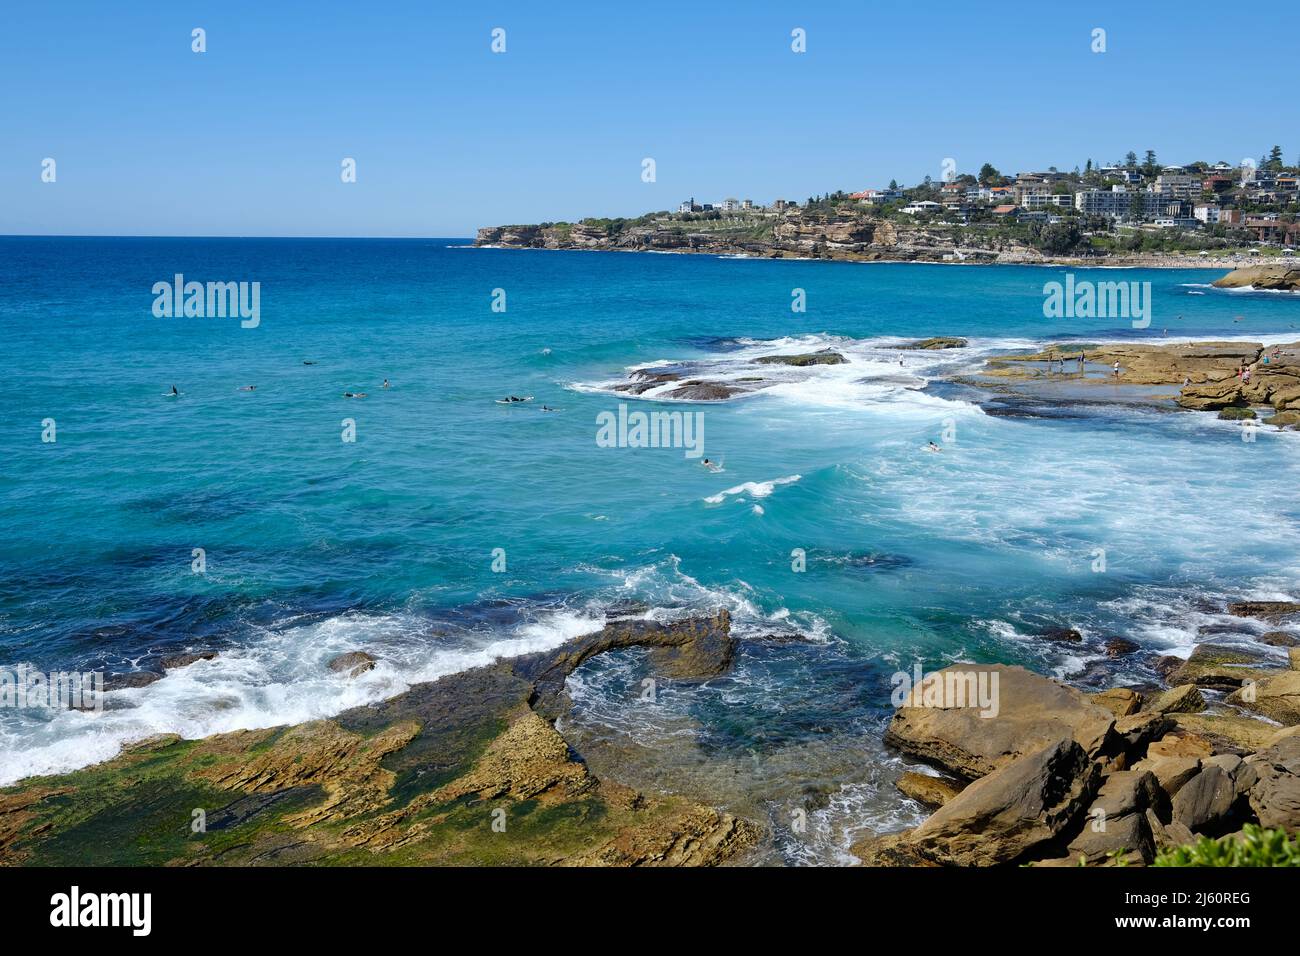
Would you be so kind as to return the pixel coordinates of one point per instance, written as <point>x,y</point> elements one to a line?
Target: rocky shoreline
<point>467,770</point>
<point>841,238</point>
<point>1060,778</point>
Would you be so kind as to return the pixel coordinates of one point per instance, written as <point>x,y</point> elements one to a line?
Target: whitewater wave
<point>755,489</point>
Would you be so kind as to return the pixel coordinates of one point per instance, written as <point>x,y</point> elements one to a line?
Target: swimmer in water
<point>174,392</point>
<point>354,394</point>
<point>248,388</point>
<point>386,385</point>
<point>931,446</point>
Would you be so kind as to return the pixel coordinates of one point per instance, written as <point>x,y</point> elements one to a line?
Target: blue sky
<point>247,138</point>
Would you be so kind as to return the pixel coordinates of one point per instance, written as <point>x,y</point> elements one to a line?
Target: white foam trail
<point>755,489</point>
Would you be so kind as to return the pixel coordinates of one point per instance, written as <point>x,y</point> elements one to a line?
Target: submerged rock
<point>1213,665</point>
<point>1273,611</point>
<point>354,663</point>
<point>926,789</point>
<point>824,357</point>
<point>185,660</point>
<point>937,342</point>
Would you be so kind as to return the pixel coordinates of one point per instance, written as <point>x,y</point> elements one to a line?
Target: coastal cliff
<point>844,232</point>
<point>792,234</point>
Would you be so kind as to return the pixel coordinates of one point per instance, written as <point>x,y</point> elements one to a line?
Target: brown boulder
<point>1275,795</point>
<point>1031,711</point>
<point>1116,821</point>
<point>926,789</point>
<point>1120,701</point>
<point>1213,665</point>
<point>1185,699</point>
<point>1276,697</point>
<point>1003,816</point>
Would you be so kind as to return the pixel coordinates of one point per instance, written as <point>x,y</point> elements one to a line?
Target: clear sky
<point>151,138</point>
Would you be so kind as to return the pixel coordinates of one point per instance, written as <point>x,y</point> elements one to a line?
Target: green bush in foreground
<point>1254,847</point>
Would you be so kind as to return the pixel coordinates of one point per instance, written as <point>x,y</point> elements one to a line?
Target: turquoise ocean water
<point>315,546</point>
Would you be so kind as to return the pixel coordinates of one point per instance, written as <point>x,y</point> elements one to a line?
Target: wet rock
<point>1226,732</point>
<point>1276,697</point>
<point>1119,646</point>
<point>694,649</point>
<point>891,849</point>
<point>412,780</point>
<point>185,660</point>
<point>1214,665</point>
<point>1279,639</point>
<point>133,679</point>
<point>1273,611</point>
<point>704,392</point>
<point>1061,635</point>
<point>824,357</point>
<point>937,342</point>
<point>1166,665</point>
<point>931,791</point>
<point>353,663</point>
<point>1185,699</point>
<point>1031,711</point>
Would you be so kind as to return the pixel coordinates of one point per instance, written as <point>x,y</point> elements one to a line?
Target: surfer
<point>386,385</point>
<point>931,446</point>
<point>174,392</point>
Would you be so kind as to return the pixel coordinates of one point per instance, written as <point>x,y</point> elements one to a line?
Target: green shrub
<point>1255,846</point>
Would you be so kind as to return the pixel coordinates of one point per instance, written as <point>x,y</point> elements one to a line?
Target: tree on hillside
<point>989,176</point>
<point>1087,167</point>
<point>1131,159</point>
<point>1149,165</point>
<point>1274,159</point>
<point>893,184</point>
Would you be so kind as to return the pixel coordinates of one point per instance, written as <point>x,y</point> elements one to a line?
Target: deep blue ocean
<point>455,530</point>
